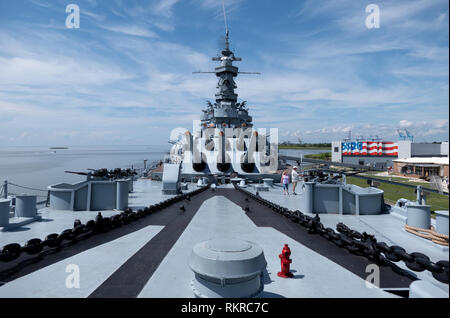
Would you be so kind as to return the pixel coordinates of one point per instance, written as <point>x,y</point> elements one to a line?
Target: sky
<point>125,75</point>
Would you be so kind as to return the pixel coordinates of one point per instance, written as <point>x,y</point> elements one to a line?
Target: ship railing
<point>401,184</point>
<point>4,192</point>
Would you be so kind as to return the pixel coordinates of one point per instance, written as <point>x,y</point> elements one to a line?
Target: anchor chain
<point>81,231</point>
<point>362,244</point>
<point>417,262</point>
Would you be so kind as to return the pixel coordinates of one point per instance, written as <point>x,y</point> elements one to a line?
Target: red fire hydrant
<point>285,262</point>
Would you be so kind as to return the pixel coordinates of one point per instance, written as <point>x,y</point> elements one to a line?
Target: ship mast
<point>226,112</point>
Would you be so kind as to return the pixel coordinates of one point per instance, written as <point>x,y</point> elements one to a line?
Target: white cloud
<point>164,7</point>
<point>40,3</point>
<point>130,30</point>
<point>92,15</point>
<point>422,71</point>
<point>318,87</point>
<point>441,123</point>
<point>434,132</point>
<point>395,15</point>
<point>405,123</point>
<point>56,71</point>
<point>217,4</point>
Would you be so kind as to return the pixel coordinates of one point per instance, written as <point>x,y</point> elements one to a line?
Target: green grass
<point>302,147</point>
<point>402,180</point>
<point>321,156</point>
<point>321,146</point>
<point>394,192</point>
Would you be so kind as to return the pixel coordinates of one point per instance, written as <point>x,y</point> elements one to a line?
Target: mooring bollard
<point>5,189</point>
<point>4,212</point>
<point>26,206</point>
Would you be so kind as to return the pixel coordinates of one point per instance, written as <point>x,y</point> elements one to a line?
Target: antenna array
<point>225,17</point>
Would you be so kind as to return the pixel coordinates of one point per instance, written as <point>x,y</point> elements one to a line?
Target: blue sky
<point>125,76</point>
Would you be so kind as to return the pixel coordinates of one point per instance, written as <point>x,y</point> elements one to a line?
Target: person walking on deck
<point>295,178</point>
<point>285,182</point>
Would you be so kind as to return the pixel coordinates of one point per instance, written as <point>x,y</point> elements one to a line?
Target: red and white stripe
<point>372,148</point>
<point>380,149</point>
<point>364,149</point>
<point>390,149</point>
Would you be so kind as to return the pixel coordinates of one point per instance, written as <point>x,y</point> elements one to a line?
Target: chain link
<point>80,231</point>
<point>362,244</point>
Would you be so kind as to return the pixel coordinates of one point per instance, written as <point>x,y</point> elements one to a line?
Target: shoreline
<point>303,148</point>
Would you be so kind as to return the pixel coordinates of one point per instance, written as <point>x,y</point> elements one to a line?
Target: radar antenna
<point>225,19</point>
<point>227,55</point>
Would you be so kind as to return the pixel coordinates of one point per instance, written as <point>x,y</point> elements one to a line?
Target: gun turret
<point>119,173</point>
<point>131,172</point>
<point>100,173</point>
<point>103,173</point>
<point>79,173</point>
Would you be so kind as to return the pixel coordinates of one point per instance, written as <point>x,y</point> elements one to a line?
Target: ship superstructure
<point>226,112</point>
<point>225,142</point>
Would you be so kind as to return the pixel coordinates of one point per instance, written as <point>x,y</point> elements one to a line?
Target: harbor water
<point>39,167</point>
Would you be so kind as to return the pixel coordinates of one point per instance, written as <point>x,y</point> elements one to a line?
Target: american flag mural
<point>369,148</point>
<point>364,148</point>
<point>390,149</point>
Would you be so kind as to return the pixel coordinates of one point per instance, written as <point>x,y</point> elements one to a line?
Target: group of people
<point>295,177</point>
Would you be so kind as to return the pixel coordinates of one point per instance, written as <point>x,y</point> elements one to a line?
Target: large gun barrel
<point>77,172</point>
<point>116,173</point>
<point>101,173</point>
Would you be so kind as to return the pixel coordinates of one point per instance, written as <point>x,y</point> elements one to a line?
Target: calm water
<point>38,167</point>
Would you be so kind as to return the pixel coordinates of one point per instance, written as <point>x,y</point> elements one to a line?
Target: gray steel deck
<point>385,227</point>
<point>146,192</point>
<point>315,274</point>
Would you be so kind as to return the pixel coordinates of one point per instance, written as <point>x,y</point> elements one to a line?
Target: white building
<point>406,149</point>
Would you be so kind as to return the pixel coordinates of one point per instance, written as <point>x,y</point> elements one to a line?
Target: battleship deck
<point>387,227</point>
<point>149,257</point>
